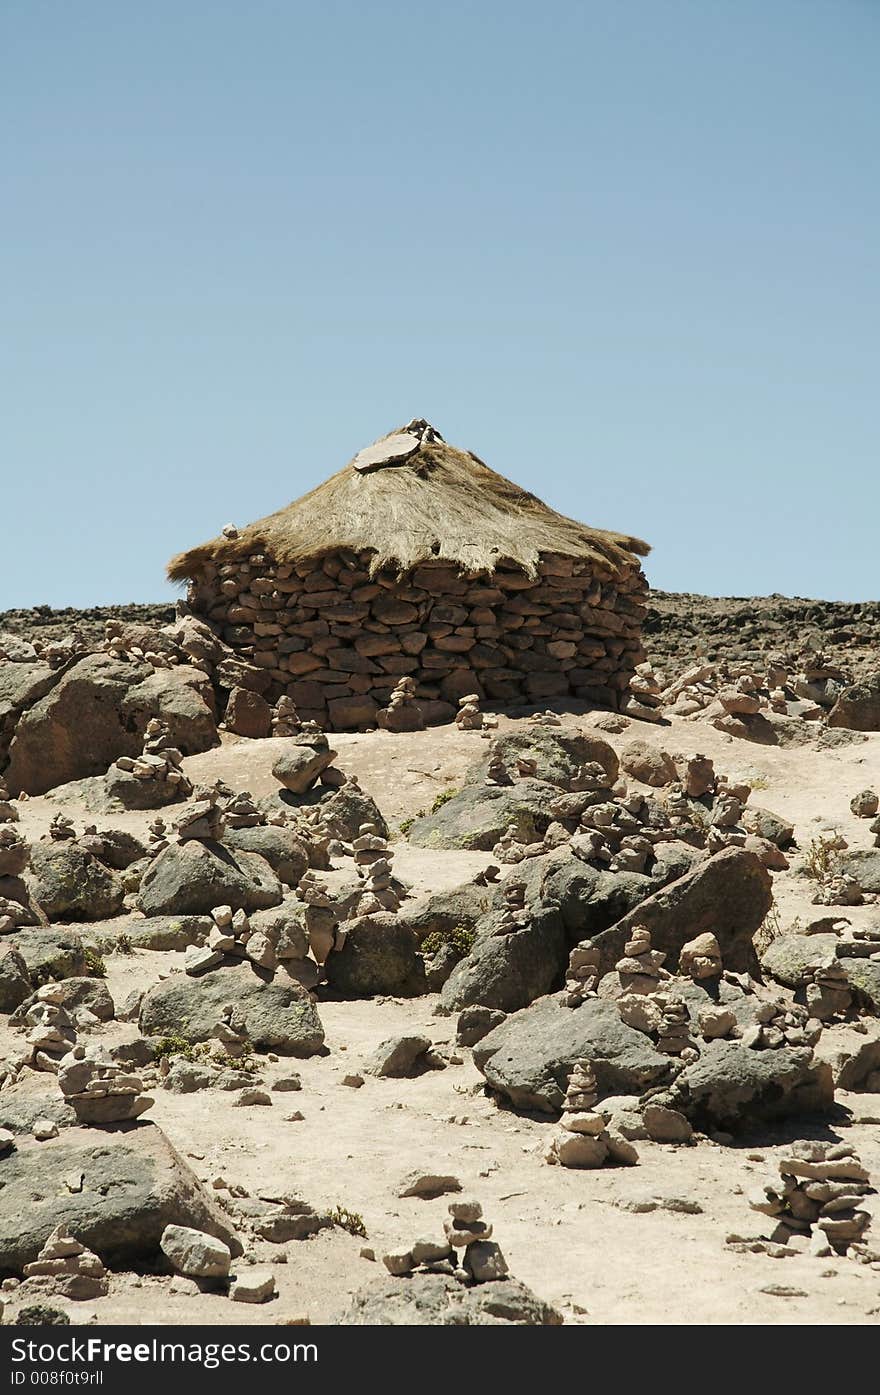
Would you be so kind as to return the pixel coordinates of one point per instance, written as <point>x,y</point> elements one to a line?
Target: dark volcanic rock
<point>380,955</point>
<point>530,1056</point>
<point>508,971</point>
<point>134,1183</point>
<point>439,1300</point>
<point>68,883</point>
<point>731,1083</point>
<point>193,877</point>
<point>274,1016</point>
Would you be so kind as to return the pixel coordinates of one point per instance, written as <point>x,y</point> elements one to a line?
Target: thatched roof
<point>409,499</point>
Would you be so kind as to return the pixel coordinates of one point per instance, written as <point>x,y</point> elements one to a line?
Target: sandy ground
<point>564,1232</point>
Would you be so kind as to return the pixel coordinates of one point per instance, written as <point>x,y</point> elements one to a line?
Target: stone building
<point>418,559</point>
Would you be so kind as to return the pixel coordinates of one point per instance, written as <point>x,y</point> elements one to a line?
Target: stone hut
<point>418,559</point>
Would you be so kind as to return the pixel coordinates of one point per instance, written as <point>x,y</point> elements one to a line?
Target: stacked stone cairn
<point>285,719</point>
<point>14,852</point>
<point>469,717</point>
<point>153,778</point>
<point>240,811</point>
<point>467,1236</point>
<point>583,1138</point>
<point>61,829</point>
<point>100,1090</point>
<point>321,917</point>
<point>66,1269</point>
<point>49,1030</point>
<point>157,840</point>
<point>514,915</point>
<point>823,1196</point>
<point>203,818</point>
<point>730,695</point>
<point>403,712</point>
<point>373,857</point>
<point>582,975</point>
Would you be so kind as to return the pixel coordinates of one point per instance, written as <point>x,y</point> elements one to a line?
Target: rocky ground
<point>309,1181</point>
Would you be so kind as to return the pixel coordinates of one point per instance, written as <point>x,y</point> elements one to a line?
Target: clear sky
<point>625,250</point>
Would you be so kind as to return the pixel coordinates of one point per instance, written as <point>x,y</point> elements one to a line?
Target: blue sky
<point>625,250</point>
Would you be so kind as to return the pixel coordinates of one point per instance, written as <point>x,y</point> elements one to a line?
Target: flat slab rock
<point>438,1300</point>
<point>790,959</point>
<point>276,1015</point>
<point>475,818</point>
<point>134,1184</point>
<point>529,1057</point>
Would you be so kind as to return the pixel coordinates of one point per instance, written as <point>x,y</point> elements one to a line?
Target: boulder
<point>765,824</point>
<point>399,1056</point>
<point>728,894</point>
<point>380,955</point>
<point>508,971</point>
<point>558,755</point>
<point>248,714</point>
<point>647,763</point>
<point>475,818</point>
<point>68,883</point>
<point>439,1300</point>
<point>50,952</point>
<point>193,877</point>
<point>98,710</point>
<point>285,853</point>
<point>276,1015</point>
<point>343,810</point>
<point>863,864</point>
<point>299,763</point>
<point>134,1184</point>
<point>850,1055</point>
<point>863,976</point>
<point>791,958</point>
<point>732,1084</point>
<point>447,910</point>
<point>530,1056</point>
<point>155,932</point>
<point>858,706</point>
<point>15,981</point>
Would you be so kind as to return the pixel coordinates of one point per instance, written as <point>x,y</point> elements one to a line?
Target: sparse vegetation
<point>769,929</point>
<point>124,944</point>
<point>95,966</point>
<point>820,859</point>
<point>173,1045</point>
<point>459,936</point>
<point>443,798</point>
<point>351,1221</point>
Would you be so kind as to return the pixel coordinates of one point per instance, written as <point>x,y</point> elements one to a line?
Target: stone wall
<point>336,640</point>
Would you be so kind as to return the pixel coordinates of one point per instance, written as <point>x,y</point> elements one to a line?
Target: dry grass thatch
<point>440,503</point>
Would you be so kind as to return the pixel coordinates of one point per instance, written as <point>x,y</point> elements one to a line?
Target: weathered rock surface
<point>50,952</point>
<point>380,955</point>
<point>858,706</point>
<point>728,894</point>
<point>73,993</point>
<point>98,710</point>
<point>191,878</point>
<point>68,883</point>
<point>134,1184</point>
<point>731,1083</point>
<point>274,1016</point>
<point>530,1056</point>
<point>791,958</point>
<point>508,971</point>
<point>15,981</point>
<point>439,1300</point>
<point>475,818</point>
<point>285,853</point>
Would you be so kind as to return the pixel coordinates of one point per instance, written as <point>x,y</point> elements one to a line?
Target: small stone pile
<point>822,1196</point>
<point>156,771</point>
<point>582,975</point>
<point>780,1024</point>
<point>732,696</point>
<point>8,811</point>
<point>61,829</point>
<point>700,958</point>
<point>285,720</point>
<point>514,916</point>
<point>373,857</point>
<point>641,968</point>
<point>49,1030</point>
<point>321,917</point>
<point>645,694</point>
<point>157,840</point>
<point>14,852</point>
<point>674,1032</point>
<point>469,717</point>
<point>203,818</point>
<point>66,1269</point>
<point>466,1235</point>
<point>583,1138</point>
<point>240,811</point>
<point>231,933</point>
<point>99,1088</point>
<point>403,712</point>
